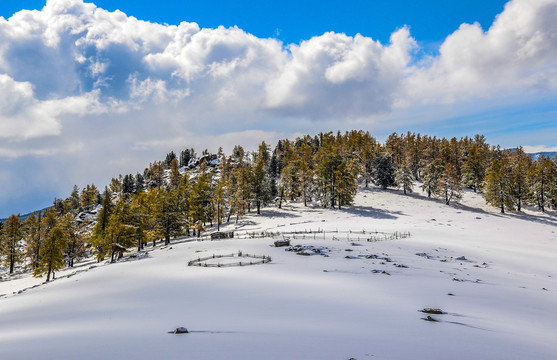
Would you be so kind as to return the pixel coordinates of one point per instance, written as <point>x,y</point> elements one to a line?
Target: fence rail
<point>201,261</point>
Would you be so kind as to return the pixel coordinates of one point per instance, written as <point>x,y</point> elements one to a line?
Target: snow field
<point>312,307</point>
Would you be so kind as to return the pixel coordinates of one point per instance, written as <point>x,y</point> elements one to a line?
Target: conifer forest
<point>185,193</point>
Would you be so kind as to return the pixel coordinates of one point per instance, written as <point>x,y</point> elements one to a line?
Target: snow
<point>311,307</point>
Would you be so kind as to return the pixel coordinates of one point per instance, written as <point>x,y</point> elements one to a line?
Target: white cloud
<point>337,75</point>
<point>518,53</point>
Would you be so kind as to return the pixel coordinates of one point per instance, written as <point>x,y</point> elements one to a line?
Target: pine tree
<point>434,172</point>
<point>52,254</point>
<point>89,196</point>
<point>10,239</point>
<point>219,201</point>
<point>174,175</point>
<point>156,172</point>
<point>404,178</point>
<point>186,156</point>
<point>170,157</point>
<point>474,169</point>
<point>120,232</point>
<point>167,214</point>
<point>139,183</point>
<point>33,238</point>
<point>384,171</point>
<point>75,246</point>
<point>128,184</point>
<point>289,178</point>
<point>449,186</point>
<point>99,236</point>
<point>336,179</point>
<point>542,178</point>
<point>498,189</point>
<point>520,166</point>
<point>200,199</point>
<point>306,172</point>
<point>260,185</point>
<point>72,203</point>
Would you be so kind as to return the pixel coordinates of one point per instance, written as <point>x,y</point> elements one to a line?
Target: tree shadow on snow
<point>365,211</point>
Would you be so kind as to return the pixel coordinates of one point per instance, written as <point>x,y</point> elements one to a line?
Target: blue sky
<point>89,93</point>
<point>430,20</point>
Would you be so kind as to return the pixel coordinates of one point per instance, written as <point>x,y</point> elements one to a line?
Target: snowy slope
<point>504,291</point>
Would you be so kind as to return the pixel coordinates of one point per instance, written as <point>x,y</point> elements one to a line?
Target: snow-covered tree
<point>434,172</point>
<point>384,171</point>
<point>449,186</point>
<point>404,178</point>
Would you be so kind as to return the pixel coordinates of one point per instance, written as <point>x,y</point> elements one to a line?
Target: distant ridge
<point>549,154</point>
<point>25,216</point>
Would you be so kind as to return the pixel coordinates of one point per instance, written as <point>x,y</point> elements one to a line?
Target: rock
<point>429,318</point>
<point>432,311</point>
<point>181,330</point>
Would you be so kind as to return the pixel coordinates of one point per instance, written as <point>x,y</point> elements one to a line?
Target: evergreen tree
<point>404,178</point>
<point>72,203</point>
<point>219,201</point>
<point>498,189</point>
<point>99,236</point>
<point>542,178</point>
<point>75,246</point>
<point>139,183</point>
<point>336,179</point>
<point>10,239</point>
<point>449,187</point>
<point>52,254</point>
<point>156,173</point>
<point>434,172</point>
<point>171,156</point>
<point>200,199</point>
<point>289,178</point>
<point>120,232</point>
<point>168,217</point>
<point>116,185</point>
<point>306,172</point>
<point>89,197</point>
<point>520,165</point>
<point>384,171</point>
<point>128,184</point>
<point>240,190</point>
<point>474,170</point>
<point>174,175</point>
<point>33,238</point>
<point>186,156</point>
<point>260,185</point>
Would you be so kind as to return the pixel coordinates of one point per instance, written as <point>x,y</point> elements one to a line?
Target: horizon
<point>93,92</point>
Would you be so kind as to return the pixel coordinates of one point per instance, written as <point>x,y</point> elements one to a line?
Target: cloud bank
<point>80,82</point>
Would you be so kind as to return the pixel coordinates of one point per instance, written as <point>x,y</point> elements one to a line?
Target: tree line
<point>184,193</point>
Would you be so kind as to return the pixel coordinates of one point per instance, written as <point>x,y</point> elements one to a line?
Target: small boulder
<point>181,330</point>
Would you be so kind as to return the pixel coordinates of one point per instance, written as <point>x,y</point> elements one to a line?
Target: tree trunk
<point>12,261</point>
<point>48,273</point>
<point>258,207</point>
<point>218,216</point>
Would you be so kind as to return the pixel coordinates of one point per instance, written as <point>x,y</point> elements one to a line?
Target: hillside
<point>492,275</point>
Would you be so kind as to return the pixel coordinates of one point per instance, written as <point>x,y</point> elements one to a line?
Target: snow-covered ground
<point>350,299</point>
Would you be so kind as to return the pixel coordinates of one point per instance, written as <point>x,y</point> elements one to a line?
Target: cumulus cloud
<point>517,53</point>
<point>82,82</point>
<point>337,75</point>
